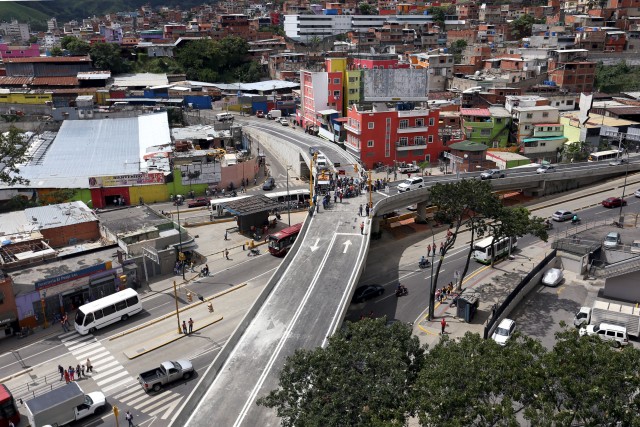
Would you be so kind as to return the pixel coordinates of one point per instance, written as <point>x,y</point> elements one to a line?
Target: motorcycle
<point>402,291</point>
<point>253,252</point>
<point>575,221</point>
<point>548,225</point>
<point>424,264</point>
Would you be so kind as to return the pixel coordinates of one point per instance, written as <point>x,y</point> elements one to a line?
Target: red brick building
<point>570,69</point>
<point>387,136</point>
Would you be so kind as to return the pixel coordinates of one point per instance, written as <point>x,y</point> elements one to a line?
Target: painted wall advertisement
<point>127,180</point>
<point>69,281</point>
<point>205,173</point>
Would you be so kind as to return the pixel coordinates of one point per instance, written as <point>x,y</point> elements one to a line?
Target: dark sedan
<point>614,202</point>
<point>367,292</point>
<point>269,184</point>
<point>200,201</point>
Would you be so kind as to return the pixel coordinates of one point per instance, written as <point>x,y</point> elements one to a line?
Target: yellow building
<point>25,97</point>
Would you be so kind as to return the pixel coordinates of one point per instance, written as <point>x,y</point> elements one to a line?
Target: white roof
<point>60,215</point>
<point>104,147</point>
<point>140,79</point>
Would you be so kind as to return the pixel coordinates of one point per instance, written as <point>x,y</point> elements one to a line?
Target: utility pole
<point>175,297</point>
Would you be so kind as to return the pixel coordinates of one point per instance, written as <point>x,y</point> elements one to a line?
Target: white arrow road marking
<point>346,246</point>
<point>315,245</point>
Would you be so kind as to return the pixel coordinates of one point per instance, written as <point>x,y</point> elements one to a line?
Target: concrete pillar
<point>422,213</point>
<point>375,224</point>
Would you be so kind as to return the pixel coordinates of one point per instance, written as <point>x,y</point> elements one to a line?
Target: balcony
<point>352,129</point>
<point>477,125</point>
<point>413,129</point>
<point>414,113</point>
<point>405,146</point>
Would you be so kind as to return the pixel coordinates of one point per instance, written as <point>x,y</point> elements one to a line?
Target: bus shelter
<point>252,211</point>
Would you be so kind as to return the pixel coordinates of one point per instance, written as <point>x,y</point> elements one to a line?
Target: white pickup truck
<point>166,373</point>
<point>409,168</point>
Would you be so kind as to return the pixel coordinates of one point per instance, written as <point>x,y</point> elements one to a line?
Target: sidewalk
<point>490,285</point>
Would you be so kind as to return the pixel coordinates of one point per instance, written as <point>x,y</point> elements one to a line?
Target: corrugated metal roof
<point>478,112</point>
<point>88,148</point>
<point>55,81</point>
<point>14,81</point>
<point>140,79</point>
<point>60,215</point>
<point>50,59</point>
<point>250,205</point>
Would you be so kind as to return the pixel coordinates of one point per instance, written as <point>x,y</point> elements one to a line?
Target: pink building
<point>7,51</point>
<point>322,98</point>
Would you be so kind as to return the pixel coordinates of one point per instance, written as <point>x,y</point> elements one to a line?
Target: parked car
<point>614,202</point>
<point>612,240</point>
<point>409,168</point>
<point>637,193</point>
<point>284,121</point>
<point>367,292</point>
<point>552,277</point>
<point>410,184</point>
<point>166,373</point>
<point>582,317</point>
<point>200,201</point>
<point>635,246</point>
<point>607,331</point>
<point>504,331</point>
<point>269,184</point>
<point>546,169</point>
<point>260,114</point>
<point>492,173</point>
<point>562,215</point>
<point>617,162</point>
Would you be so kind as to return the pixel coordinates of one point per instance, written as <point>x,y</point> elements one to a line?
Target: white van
<point>607,331</point>
<point>274,114</point>
<point>224,117</point>
<point>411,184</point>
<point>321,162</point>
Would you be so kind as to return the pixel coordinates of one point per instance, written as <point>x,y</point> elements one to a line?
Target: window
<point>432,121</point>
<point>88,319</point>
<point>98,314</point>
<point>121,305</point>
<point>108,310</point>
<point>529,116</point>
<point>419,140</point>
<point>430,140</point>
<point>569,102</point>
<point>545,114</point>
<point>336,81</point>
<point>419,123</point>
<point>485,132</point>
<point>370,125</point>
<point>370,143</point>
<point>498,120</point>
<point>403,141</point>
<point>404,124</point>
<point>336,94</point>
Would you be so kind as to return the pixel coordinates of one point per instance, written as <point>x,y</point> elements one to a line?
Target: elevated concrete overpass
<point>307,297</point>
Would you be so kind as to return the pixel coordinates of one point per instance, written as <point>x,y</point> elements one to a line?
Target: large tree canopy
<point>13,151</point>
<point>363,377</point>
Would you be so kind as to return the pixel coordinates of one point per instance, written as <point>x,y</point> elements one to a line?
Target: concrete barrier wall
<point>285,153</point>
<point>200,390</point>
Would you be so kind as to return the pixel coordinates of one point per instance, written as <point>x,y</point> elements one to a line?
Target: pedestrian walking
<point>367,209</point>
<point>61,370</point>
<point>82,371</point>
<point>65,319</point>
<point>226,253</point>
<point>226,235</point>
<point>362,227</point>
<point>78,370</point>
<point>441,248</point>
<point>335,196</point>
<point>129,417</point>
<point>64,325</point>
<point>190,325</point>
<point>184,327</point>
<point>428,250</point>
<point>89,366</point>
<point>360,210</point>
<point>443,323</point>
<point>192,265</point>
<point>67,377</point>
<point>72,373</point>
<point>341,196</point>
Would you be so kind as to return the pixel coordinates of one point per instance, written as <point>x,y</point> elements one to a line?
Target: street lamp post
<point>43,300</point>
<point>624,186</point>
<point>288,198</point>
<point>180,256</point>
<point>432,290</point>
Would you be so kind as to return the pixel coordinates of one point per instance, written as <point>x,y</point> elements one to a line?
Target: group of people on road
<point>70,374</point>
<point>443,293</point>
<point>189,330</point>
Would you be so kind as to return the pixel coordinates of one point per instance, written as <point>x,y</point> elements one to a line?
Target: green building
<point>489,126</point>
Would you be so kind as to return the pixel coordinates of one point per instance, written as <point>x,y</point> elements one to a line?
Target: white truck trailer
<point>616,313</point>
<point>63,405</point>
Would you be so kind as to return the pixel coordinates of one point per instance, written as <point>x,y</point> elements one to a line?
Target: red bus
<point>280,242</point>
<point>8,408</point>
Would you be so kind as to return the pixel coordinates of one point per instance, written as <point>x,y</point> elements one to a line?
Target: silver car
<point>562,215</point>
<point>612,240</point>
<point>546,169</point>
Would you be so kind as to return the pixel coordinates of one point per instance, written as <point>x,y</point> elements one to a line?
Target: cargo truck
<point>63,405</point>
<point>274,114</point>
<point>616,313</point>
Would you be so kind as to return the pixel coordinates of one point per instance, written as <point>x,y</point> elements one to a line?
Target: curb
<point>17,374</point>
<point>176,338</point>
<point>167,316</point>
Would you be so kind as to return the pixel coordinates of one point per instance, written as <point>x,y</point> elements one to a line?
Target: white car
<point>637,193</point>
<point>612,240</point>
<point>546,169</point>
<point>582,317</point>
<point>410,184</point>
<point>552,277</point>
<point>283,121</point>
<point>492,173</point>
<point>608,332</point>
<point>562,215</point>
<point>504,331</point>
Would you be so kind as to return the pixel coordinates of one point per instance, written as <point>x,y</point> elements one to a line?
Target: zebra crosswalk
<point>114,380</point>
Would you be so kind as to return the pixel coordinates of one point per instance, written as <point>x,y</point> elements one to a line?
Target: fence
<point>520,291</point>
<point>36,387</point>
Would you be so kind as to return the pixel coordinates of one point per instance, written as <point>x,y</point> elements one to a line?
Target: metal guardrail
<point>37,387</point>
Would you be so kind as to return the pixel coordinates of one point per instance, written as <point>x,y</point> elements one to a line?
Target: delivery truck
<point>63,405</point>
<point>616,313</point>
<point>274,114</point>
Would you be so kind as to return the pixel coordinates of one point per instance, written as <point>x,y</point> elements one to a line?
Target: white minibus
<point>105,311</point>
<point>482,250</point>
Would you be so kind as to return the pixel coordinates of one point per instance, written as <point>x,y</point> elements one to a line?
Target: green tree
<point>582,381</point>
<point>424,165</point>
<point>33,39</point>
<point>475,382</point>
<point>13,152</point>
<point>522,26</point>
<point>440,12</point>
<point>75,46</point>
<point>457,48</point>
<point>56,51</point>
<point>364,377</point>
<point>367,9</point>
<point>516,222</point>
<point>108,56</point>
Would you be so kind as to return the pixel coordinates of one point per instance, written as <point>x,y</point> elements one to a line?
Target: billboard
<point>201,173</point>
<point>402,84</point>
<point>127,180</point>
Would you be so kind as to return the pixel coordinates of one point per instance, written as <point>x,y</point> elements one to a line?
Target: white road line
<point>171,408</point>
<point>114,367</point>
<point>112,378</point>
<point>84,348</point>
<point>130,393</point>
<point>164,398</point>
<point>102,358</point>
<point>144,396</point>
<point>122,383</point>
<point>82,354</point>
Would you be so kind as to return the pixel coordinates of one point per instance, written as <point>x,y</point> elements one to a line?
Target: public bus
<point>296,197</point>
<point>482,250</point>
<point>604,155</point>
<point>281,242</point>
<point>105,311</point>
<point>8,408</point>
<point>216,204</point>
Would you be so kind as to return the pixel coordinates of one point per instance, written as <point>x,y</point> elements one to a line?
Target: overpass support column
<point>375,224</point>
<point>422,213</point>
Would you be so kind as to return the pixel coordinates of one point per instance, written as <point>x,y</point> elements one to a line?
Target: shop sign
<point>70,280</point>
<point>127,180</point>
